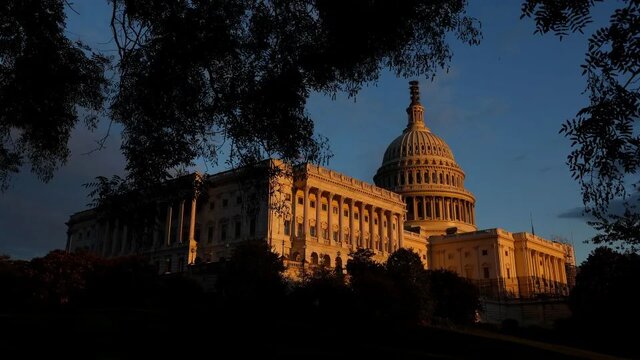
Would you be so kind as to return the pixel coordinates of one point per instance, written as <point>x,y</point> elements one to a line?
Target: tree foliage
<point>602,302</point>
<point>252,274</point>
<point>191,76</point>
<point>605,135</point>
<point>456,298</point>
<point>44,79</point>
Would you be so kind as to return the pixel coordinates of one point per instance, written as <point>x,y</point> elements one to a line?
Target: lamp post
<point>282,248</point>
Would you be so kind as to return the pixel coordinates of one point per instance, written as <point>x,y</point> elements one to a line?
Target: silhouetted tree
<point>195,73</point>
<point>323,298</point>
<point>191,75</point>
<point>601,296</point>
<point>374,290</point>
<point>605,138</point>
<point>127,282</point>
<point>60,277</point>
<point>253,274</point>
<point>15,284</point>
<point>411,279</point>
<point>603,304</point>
<point>455,298</point>
<point>46,80</point>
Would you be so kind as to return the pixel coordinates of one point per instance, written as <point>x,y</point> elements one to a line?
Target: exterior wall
<point>485,257</point>
<point>331,214</point>
<point>317,219</point>
<point>417,241</point>
<point>167,237</point>
<point>504,264</point>
<point>235,210</point>
<point>541,266</point>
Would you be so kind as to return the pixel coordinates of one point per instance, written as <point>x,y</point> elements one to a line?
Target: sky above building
<point>499,107</point>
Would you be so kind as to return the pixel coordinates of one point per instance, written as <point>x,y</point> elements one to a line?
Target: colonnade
<point>440,208</point>
<point>117,240</point>
<point>544,266</point>
<point>346,230</point>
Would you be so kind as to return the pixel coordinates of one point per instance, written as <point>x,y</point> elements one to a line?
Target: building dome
<point>419,143</point>
<point>421,167</point>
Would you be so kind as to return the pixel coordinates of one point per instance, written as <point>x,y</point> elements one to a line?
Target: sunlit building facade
<point>314,217</point>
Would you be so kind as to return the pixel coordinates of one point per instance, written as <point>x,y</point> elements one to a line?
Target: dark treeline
<point>110,307</point>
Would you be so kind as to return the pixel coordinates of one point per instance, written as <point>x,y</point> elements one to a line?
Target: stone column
<point>305,213</point>
<point>380,230</point>
<point>445,205</point>
<point>415,208</point>
<point>361,212</point>
<point>400,228</point>
<point>563,271</point>
<point>193,246</point>
<point>473,214</point>
<point>372,211</point>
<point>168,225</point>
<point>181,222</point>
<point>390,231</point>
<point>433,207</point>
<point>466,212</point>
<point>294,219</point>
<point>329,218</point>
<point>451,210</point>
<point>318,214</point>
<point>424,207</point>
<point>340,218</point>
<point>454,215</point>
<point>353,246</point>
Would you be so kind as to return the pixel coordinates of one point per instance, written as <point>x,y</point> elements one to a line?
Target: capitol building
<point>315,217</point>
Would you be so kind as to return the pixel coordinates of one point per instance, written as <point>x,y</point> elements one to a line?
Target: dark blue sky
<point>499,108</point>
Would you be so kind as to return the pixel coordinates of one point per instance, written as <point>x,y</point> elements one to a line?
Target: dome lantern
<point>415,111</point>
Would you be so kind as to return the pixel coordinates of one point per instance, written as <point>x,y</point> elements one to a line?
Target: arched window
<point>401,179</point>
<point>447,179</point>
<point>434,179</point>
<point>441,182</point>
<point>410,178</point>
<point>418,177</point>
<point>314,258</point>
<point>426,177</point>
<point>326,261</point>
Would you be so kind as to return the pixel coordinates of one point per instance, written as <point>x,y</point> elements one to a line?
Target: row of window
<point>356,215</point>
<point>224,230</point>
<point>417,177</point>
<point>225,203</point>
<point>323,232</point>
<point>419,150</point>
